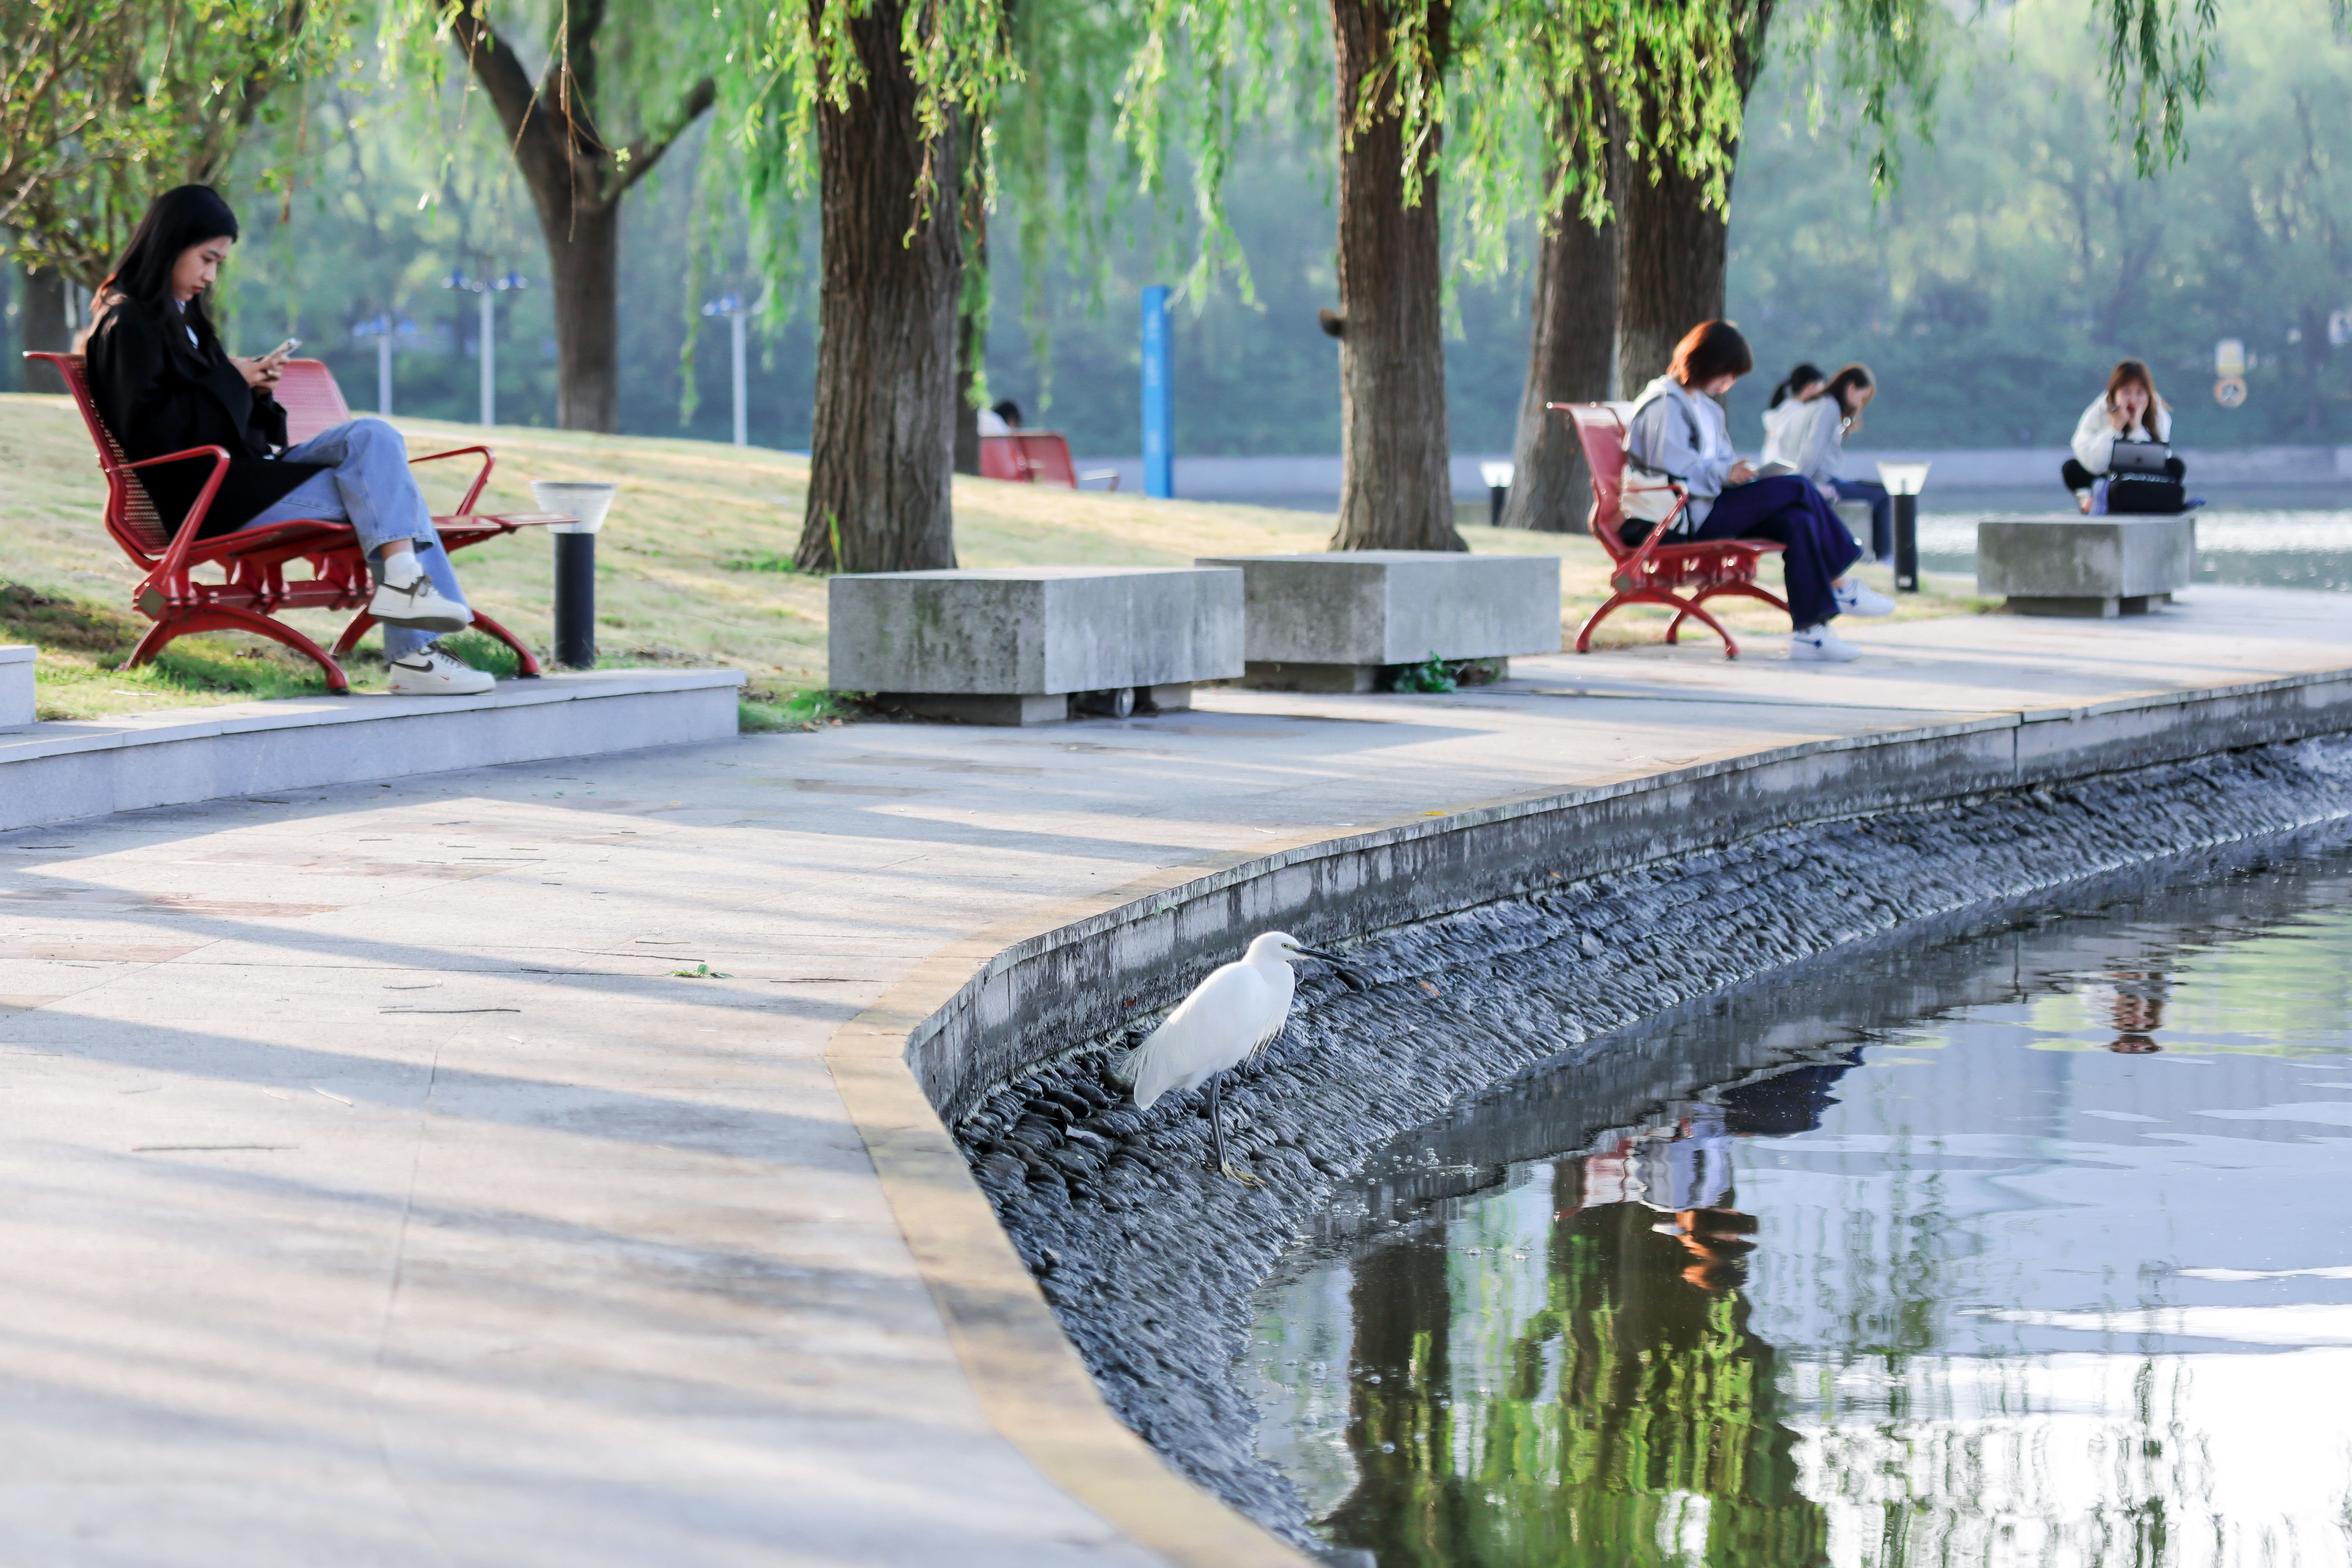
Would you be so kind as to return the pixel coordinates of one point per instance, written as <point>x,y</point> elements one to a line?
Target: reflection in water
<point>2030,1253</point>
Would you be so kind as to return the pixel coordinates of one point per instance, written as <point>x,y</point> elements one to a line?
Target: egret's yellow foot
<point>1238,1174</point>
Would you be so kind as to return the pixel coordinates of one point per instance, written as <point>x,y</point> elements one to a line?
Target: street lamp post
<point>488,288</point>
<point>732,307</point>
<point>383,329</point>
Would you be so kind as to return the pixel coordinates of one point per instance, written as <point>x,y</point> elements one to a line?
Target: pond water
<point>2258,547</point>
<point>2030,1247</point>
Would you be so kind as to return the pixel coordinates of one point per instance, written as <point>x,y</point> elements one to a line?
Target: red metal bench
<point>254,561</point>
<point>1029,457</point>
<point>1682,576</point>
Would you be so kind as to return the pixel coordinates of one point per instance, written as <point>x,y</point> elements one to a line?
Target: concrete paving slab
<point>453,1170</point>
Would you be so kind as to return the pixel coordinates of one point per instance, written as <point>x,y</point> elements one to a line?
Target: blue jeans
<point>1881,512</point>
<point>371,487</point>
<point>1787,508</point>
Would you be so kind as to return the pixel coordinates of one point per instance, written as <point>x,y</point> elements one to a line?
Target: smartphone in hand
<point>282,350</point>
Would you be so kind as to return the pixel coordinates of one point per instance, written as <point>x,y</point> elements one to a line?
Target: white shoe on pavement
<point>1859,598</point>
<point>1820,645</point>
<point>418,606</point>
<point>429,672</point>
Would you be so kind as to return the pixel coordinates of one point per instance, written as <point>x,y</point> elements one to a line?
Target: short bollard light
<point>575,562</point>
<point>1498,487</point>
<point>1904,481</point>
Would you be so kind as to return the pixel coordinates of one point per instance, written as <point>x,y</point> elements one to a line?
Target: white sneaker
<point>1820,645</point>
<point>418,606</point>
<point>1859,598</point>
<point>429,672</point>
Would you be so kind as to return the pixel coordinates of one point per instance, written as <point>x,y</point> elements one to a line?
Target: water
<point>2029,1247</point>
<point>2280,547</point>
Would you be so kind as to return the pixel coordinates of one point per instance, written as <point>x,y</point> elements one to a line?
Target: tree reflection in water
<point>1630,1419</point>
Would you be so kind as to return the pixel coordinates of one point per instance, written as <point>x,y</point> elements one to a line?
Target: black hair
<point>1710,349</point>
<point>1804,375</point>
<point>1849,378</point>
<point>1008,410</point>
<point>176,221</point>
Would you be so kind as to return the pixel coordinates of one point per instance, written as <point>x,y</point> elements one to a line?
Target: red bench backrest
<point>131,515</point>
<point>1029,457</point>
<point>314,403</point>
<point>1601,430</point>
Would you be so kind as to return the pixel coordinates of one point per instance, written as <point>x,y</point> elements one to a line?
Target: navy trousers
<point>1786,508</point>
<point>1881,512</point>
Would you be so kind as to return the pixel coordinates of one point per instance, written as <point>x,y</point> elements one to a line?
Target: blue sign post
<point>1158,403</point>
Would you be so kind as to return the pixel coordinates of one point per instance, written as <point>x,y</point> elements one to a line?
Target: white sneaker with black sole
<point>1859,598</point>
<point>429,672</point>
<point>1820,645</point>
<point>418,606</point>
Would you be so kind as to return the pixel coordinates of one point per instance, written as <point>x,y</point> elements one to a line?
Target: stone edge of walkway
<point>900,1074</point>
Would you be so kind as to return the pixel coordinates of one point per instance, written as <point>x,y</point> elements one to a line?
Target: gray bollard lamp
<point>1904,481</point>
<point>585,503</point>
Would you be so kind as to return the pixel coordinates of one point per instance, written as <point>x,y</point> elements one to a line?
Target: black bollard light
<point>583,506</point>
<point>1904,481</point>
<point>1499,489</point>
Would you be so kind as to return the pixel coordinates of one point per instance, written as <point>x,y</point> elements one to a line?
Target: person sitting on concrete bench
<point>1800,386</point>
<point>1810,440</point>
<point>1677,433</point>
<point>163,383</point>
<point>2129,411</point>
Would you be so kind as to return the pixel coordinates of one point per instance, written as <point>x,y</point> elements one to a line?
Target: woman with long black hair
<point>163,383</point>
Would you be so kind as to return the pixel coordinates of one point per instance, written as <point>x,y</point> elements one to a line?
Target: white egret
<point>1221,1025</point>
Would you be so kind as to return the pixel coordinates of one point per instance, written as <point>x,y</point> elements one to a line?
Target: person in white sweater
<point>1811,442</point>
<point>2129,410</point>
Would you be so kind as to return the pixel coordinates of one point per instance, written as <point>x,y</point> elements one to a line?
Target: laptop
<point>2139,458</point>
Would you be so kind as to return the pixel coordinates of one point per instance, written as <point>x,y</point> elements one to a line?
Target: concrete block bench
<point>2068,564</point>
<point>1344,620</point>
<point>1026,645</point>
<point>16,686</point>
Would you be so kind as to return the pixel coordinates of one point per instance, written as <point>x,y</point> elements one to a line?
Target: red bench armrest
<point>184,538</point>
<point>480,479</point>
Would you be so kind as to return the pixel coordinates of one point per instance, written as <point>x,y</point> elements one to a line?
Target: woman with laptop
<point>2121,462</point>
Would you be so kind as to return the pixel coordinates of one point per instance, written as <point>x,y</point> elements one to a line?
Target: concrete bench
<point>1346,620</point>
<point>2065,563</point>
<point>16,686</point>
<point>1027,645</point>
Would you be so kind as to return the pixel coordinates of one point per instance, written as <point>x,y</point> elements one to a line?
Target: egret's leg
<point>1217,1133</point>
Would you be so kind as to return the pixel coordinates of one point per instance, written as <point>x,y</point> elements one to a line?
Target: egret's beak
<point>1317,952</point>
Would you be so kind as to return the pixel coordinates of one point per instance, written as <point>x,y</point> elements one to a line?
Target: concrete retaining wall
<point>1043,997</point>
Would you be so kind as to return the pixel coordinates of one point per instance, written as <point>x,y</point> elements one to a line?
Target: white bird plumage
<point>1228,1018</point>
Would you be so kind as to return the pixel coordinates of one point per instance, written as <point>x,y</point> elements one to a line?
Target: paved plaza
<point>451,1172</point>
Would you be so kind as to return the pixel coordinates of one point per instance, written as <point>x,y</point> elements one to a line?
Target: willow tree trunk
<point>1672,247</point>
<point>41,327</point>
<point>1571,347</point>
<point>882,445</point>
<point>584,259</point>
<point>1396,490</point>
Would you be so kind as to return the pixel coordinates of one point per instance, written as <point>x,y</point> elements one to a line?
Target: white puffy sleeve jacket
<point>2095,435</point>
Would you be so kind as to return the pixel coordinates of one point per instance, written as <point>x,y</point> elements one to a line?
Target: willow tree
<point>104,104</point>
<point>875,103</point>
<point>617,83</point>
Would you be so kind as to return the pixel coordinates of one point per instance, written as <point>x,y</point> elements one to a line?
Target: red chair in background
<point>253,560</point>
<point>1681,576</point>
<point>1032,457</point>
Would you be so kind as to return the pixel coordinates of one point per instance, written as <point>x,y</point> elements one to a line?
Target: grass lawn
<point>693,564</point>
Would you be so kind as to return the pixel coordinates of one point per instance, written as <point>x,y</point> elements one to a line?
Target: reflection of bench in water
<point>1036,456</point>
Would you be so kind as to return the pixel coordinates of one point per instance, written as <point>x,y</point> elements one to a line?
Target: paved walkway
<point>382,1191</point>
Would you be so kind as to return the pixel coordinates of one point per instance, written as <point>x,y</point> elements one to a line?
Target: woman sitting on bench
<point>2129,410</point>
<point>163,383</point>
<point>1677,433</point>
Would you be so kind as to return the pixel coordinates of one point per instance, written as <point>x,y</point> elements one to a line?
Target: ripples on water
<point>2024,1249</point>
<point>2253,548</point>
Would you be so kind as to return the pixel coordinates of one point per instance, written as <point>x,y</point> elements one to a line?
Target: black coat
<point>160,392</point>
